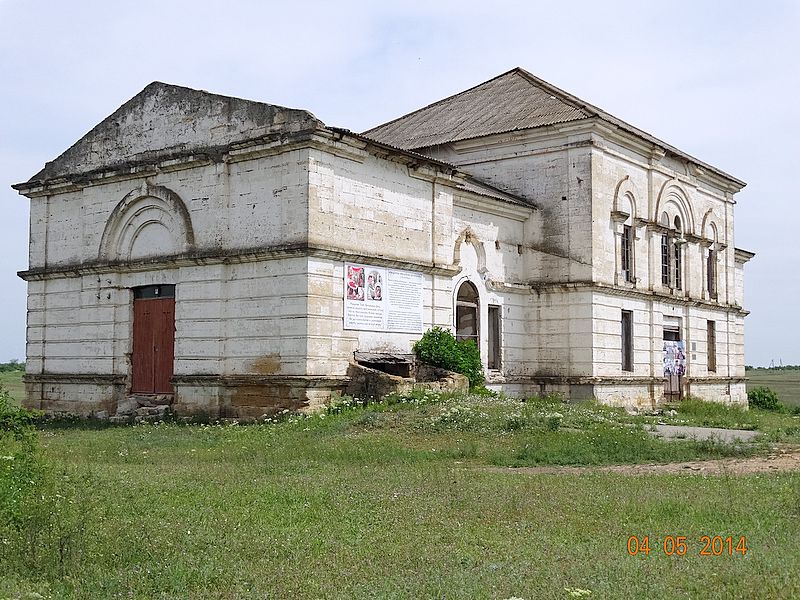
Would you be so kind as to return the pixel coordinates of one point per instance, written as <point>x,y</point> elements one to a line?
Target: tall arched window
<point>671,252</point>
<point>467,312</point>
<point>677,279</point>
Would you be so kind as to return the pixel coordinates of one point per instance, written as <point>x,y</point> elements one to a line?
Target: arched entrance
<point>467,313</point>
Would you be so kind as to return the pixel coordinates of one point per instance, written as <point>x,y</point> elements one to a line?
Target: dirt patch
<point>782,458</point>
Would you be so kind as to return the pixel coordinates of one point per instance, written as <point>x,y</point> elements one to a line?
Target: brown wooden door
<point>153,343</point>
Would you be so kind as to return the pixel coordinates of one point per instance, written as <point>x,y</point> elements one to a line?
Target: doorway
<point>674,362</point>
<point>153,339</point>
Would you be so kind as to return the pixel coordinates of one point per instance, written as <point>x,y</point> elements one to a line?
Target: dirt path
<point>783,458</point>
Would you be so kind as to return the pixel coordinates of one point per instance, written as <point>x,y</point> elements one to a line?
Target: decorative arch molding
<point>152,209</point>
<point>672,194</point>
<point>469,237</point>
<point>626,195</point>
<point>709,228</point>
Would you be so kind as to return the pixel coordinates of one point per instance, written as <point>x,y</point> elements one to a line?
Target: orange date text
<point>681,545</point>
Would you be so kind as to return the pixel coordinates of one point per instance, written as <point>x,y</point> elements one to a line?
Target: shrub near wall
<point>440,348</point>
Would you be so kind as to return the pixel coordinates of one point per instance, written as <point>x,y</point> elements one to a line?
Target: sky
<point>719,80</point>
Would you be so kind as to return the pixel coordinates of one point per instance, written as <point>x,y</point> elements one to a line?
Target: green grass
<point>393,501</point>
<point>12,382</point>
<point>785,383</point>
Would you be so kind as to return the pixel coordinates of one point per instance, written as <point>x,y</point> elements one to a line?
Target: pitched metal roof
<point>505,103</point>
<point>515,100</point>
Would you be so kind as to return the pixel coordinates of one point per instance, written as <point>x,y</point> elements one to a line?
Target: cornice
<point>217,256</point>
<point>539,287</point>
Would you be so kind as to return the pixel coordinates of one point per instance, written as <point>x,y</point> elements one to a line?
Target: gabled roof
<point>513,101</point>
<point>166,120</point>
<point>508,102</point>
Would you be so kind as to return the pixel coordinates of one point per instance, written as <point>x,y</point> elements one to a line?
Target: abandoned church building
<point>234,257</point>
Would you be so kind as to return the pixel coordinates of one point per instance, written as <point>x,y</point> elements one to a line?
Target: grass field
<point>785,383</point>
<point>12,381</point>
<point>395,501</point>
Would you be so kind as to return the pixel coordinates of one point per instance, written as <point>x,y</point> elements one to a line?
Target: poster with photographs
<point>378,299</point>
<point>675,358</point>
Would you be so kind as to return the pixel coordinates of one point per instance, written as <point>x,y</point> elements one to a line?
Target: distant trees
<point>12,365</point>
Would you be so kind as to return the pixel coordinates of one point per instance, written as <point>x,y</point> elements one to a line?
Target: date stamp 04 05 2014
<point>678,545</point>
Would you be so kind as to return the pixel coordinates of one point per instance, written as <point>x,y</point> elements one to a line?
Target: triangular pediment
<point>164,121</point>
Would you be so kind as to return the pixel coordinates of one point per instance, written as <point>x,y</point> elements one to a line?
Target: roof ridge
<point>450,97</point>
<point>161,84</point>
<point>564,96</point>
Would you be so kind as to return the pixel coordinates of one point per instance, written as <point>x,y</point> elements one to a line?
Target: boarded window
<point>712,346</point>
<point>627,340</point>
<point>494,337</point>
<point>627,252</point>
<point>711,272</point>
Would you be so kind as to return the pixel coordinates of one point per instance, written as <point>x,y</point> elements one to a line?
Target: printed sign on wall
<point>675,358</point>
<point>377,299</point>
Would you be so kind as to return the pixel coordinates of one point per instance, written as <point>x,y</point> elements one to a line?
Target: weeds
<point>39,519</point>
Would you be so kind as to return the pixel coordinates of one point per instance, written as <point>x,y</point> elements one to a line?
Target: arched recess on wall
<point>625,198</point>
<point>467,236</point>
<point>149,221</point>
<point>709,229</point>
<point>674,200</point>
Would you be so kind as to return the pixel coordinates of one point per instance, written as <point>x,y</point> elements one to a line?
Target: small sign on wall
<point>378,299</point>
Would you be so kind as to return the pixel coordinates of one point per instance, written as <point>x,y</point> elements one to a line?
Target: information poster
<point>378,299</point>
<point>675,358</point>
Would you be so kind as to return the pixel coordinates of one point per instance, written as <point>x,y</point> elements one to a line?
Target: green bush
<point>438,347</point>
<point>764,398</point>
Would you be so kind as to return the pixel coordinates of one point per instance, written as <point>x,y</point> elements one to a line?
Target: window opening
<point>711,339</point>
<point>711,272</point>
<point>627,253</point>
<point>665,262</point>
<point>677,265</point>
<point>467,313</point>
<point>493,361</point>
<point>627,340</point>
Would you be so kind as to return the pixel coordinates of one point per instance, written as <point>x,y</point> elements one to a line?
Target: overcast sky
<point>720,80</point>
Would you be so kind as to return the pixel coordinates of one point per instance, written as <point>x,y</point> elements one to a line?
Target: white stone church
<point>232,258</point>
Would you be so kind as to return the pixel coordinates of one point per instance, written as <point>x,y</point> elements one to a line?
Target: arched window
<point>711,264</point>
<point>467,312</point>
<point>677,279</point>
<point>665,258</point>
<point>671,253</point>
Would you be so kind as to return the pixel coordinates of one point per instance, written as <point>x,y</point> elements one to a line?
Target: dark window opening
<point>627,253</point>
<point>494,337</point>
<point>467,313</point>
<point>665,262</point>
<point>154,291</point>
<point>677,265</point>
<point>627,340</point>
<point>711,339</point>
